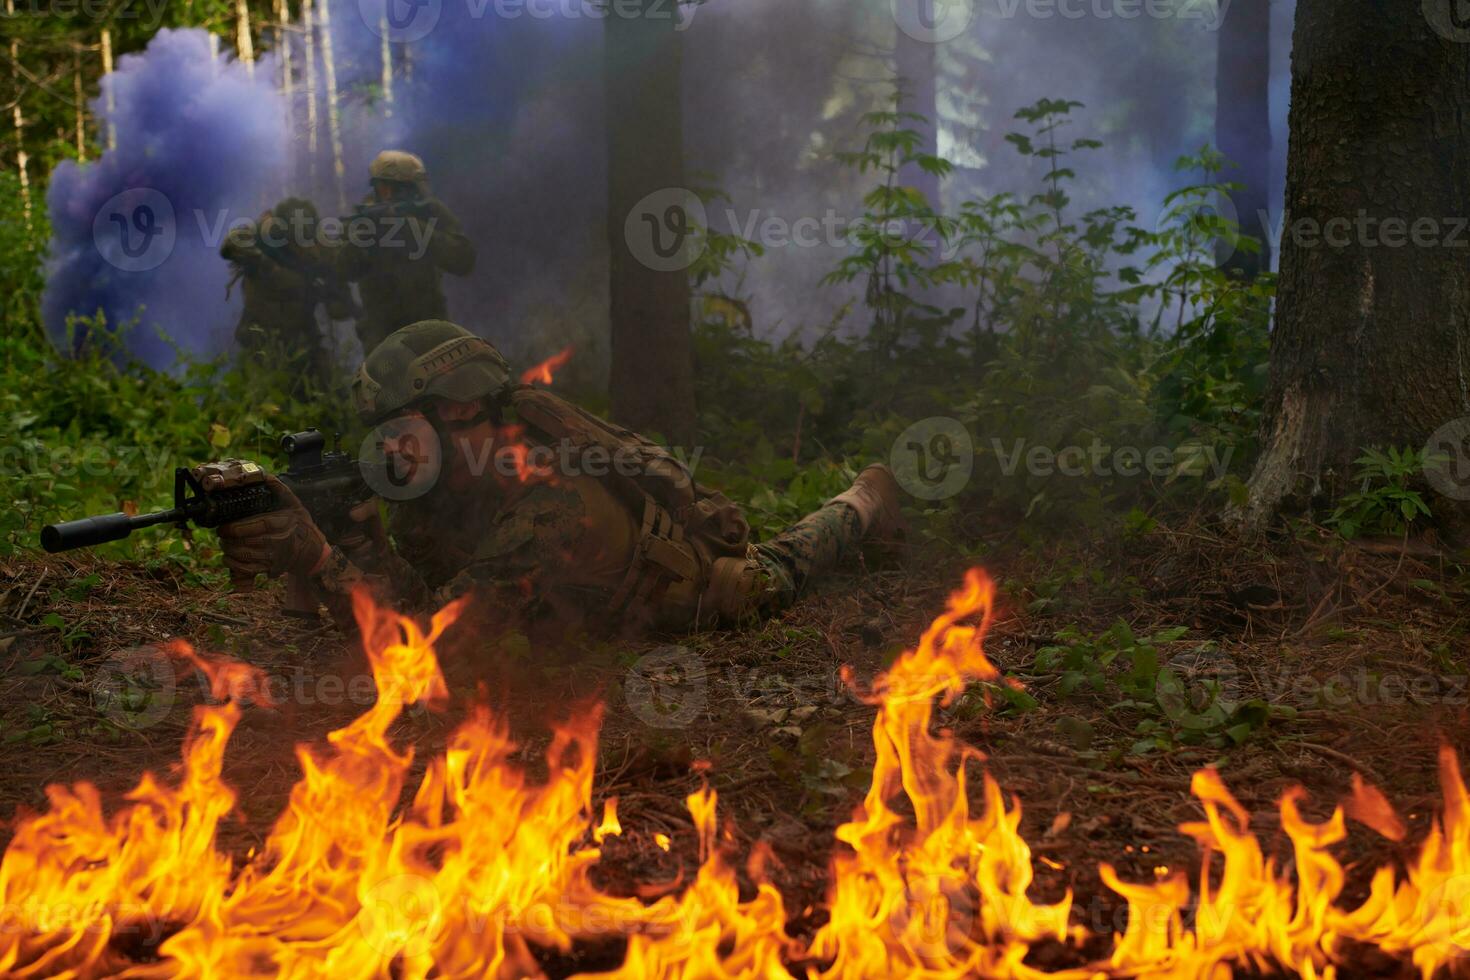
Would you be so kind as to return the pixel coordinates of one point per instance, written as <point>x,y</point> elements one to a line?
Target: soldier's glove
<point>366,543</point>
<point>284,541</point>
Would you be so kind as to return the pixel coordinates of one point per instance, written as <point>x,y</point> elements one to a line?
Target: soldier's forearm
<point>393,583</point>
<point>454,254</point>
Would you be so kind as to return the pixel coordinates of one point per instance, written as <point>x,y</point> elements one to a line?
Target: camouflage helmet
<point>400,168</point>
<point>431,358</point>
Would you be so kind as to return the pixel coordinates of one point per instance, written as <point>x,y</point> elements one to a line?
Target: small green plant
<point>1186,700</point>
<point>1385,501</point>
<point>899,235</point>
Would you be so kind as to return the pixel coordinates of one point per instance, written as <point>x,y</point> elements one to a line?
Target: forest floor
<point>1354,655</point>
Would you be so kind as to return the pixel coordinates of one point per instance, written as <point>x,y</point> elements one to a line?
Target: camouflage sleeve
<point>450,248</point>
<point>394,582</point>
<point>526,544</point>
<point>348,256</point>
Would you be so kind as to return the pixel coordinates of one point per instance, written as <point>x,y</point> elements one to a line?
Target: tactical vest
<point>686,528</point>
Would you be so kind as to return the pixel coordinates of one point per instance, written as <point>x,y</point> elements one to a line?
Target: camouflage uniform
<point>618,532</point>
<point>567,548</point>
<point>283,279</point>
<point>398,285</point>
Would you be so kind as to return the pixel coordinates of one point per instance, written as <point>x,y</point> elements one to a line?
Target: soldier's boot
<point>875,495</point>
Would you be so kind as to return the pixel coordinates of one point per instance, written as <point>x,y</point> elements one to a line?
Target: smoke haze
<point>504,101</point>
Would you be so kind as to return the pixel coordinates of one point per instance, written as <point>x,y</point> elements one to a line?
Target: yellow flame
<point>485,873</point>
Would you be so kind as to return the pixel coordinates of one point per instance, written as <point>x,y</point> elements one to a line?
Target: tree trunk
<point>652,350</point>
<point>1372,341</point>
<point>1243,123</point>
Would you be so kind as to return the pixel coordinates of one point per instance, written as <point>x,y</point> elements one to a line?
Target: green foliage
<point>899,235</point>
<point>1385,502</point>
<point>1083,331</point>
<point>1168,705</point>
<point>97,433</point>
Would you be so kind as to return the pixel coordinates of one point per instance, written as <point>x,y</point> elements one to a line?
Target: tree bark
<point>1243,123</point>
<point>652,350</point>
<point>1372,341</point>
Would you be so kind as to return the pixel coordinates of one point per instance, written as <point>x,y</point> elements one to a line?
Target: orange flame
<point>542,372</point>
<point>482,871</point>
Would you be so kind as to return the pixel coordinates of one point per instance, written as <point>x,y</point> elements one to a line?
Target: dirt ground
<point>1358,651</point>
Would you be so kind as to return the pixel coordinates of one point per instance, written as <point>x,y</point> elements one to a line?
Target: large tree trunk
<point>1372,340</point>
<point>652,350</point>
<point>1243,122</point>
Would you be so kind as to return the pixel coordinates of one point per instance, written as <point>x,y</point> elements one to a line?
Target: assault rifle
<point>413,207</point>
<point>329,484</point>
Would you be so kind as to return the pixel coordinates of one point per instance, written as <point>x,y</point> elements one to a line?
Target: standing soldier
<point>285,273</point>
<point>399,241</point>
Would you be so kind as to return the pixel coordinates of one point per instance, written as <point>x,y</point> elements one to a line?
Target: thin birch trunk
<point>334,129</point>
<point>387,56</point>
<point>283,47</point>
<point>22,159</point>
<point>81,106</point>
<point>108,100</point>
<point>244,46</point>
<point>308,24</point>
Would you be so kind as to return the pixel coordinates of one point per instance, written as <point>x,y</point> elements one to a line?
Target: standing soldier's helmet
<point>398,167</point>
<point>294,220</point>
<point>428,359</point>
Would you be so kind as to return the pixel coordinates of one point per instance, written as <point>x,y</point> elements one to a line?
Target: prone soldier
<point>400,241</point>
<point>619,530</point>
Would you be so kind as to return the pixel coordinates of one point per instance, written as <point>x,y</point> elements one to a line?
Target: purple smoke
<point>503,99</point>
<point>202,135</point>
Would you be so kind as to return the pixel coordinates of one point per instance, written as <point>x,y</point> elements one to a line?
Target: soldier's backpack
<point>636,470</point>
